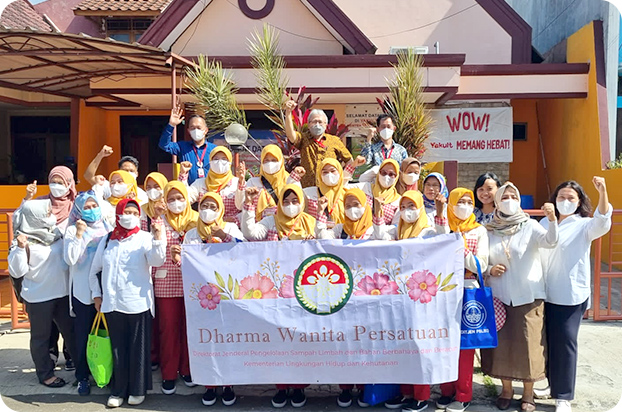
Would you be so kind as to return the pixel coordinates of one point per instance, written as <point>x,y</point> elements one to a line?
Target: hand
<point>322,204</point>
<point>300,171</point>
<point>100,179</point>
<point>497,270</point>
<point>359,161</point>
<point>251,194</point>
<point>241,172</point>
<point>378,203</point>
<point>371,131</point>
<point>599,184</point>
<point>176,253</point>
<point>156,229</point>
<point>290,105</point>
<point>31,190</point>
<point>22,241</point>
<point>439,202</point>
<point>159,207</point>
<point>177,114</point>
<point>309,237</point>
<point>98,303</point>
<point>218,232</point>
<point>105,151</point>
<point>80,228</point>
<point>549,211</point>
<point>184,167</point>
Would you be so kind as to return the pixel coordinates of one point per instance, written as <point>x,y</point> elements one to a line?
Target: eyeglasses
<point>390,174</point>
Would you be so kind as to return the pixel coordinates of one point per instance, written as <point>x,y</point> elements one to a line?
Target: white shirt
<point>231,229</point>
<point>198,188</point>
<point>45,273</point>
<point>523,280</point>
<point>240,195</point>
<point>389,232</point>
<point>567,267</point>
<point>79,254</point>
<point>126,273</point>
<point>324,232</point>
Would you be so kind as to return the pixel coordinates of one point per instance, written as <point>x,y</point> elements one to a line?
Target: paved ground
<point>599,383</point>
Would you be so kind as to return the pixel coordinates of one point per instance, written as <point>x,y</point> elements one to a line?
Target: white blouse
<point>126,273</point>
<point>79,254</point>
<point>233,232</point>
<point>389,232</point>
<point>567,267</point>
<point>45,273</point>
<point>523,280</point>
<point>198,188</point>
<point>324,232</point>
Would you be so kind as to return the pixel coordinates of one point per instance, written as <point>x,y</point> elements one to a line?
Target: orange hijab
<point>277,180</point>
<point>185,220</point>
<point>215,182</point>
<point>389,194</point>
<point>129,180</point>
<point>299,226</point>
<point>162,181</point>
<point>357,228</point>
<point>334,194</point>
<point>455,224</point>
<point>407,230</point>
<point>205,229</point>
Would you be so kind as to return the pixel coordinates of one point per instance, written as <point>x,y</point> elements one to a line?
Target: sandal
<point>56,383</point>
<point>504,403</point>
<point>527,406</point>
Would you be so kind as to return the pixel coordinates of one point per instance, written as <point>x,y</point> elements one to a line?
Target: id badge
<point>201,172</point>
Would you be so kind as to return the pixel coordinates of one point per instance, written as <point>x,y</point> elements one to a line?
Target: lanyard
<point>384,149</point>
<point>294,226</point>
<point>319,143</point>
<point>199,161</point>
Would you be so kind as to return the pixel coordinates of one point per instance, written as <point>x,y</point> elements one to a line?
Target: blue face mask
<point>92,215</point>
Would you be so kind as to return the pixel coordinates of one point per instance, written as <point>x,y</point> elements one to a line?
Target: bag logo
<point>474,315</point>
<point>323,284</point>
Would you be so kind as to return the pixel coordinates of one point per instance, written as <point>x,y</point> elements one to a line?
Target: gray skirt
<point>520,355</point>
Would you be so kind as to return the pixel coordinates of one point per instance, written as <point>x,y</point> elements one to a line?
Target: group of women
<point>80,253</point>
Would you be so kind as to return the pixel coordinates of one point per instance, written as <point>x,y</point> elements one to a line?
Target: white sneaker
<point>135,400</point>
<point>114,402</point>
<point>544,393</point>
<point>562,406</point>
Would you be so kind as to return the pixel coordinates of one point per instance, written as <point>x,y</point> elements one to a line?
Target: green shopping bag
<point>99,352</point>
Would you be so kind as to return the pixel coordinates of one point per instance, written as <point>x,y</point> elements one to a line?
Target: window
<point>519,132</point>
<point>126,30</point>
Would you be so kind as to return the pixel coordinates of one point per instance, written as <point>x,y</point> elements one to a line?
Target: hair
<point>318,112</point>
<point>480,182</point>
<point>194,116</point>
<point>130,159</point>
<point>585,206</point>
<point>289,192</point>
<point>382,117</point>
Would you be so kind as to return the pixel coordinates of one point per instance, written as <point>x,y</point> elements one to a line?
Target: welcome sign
<point>329,311</point>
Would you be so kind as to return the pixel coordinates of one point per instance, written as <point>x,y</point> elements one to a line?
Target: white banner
<point>324,311</point>
<point>471,135</point>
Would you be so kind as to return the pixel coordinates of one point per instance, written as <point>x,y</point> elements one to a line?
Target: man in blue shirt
<point>385,149</point>
<point>196,152</point>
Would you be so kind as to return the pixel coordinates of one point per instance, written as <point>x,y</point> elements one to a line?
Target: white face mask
<point>58,190</point>
<point>509,206</point>
<point>271,167</point>
<point>386,134</point>
<point>566,207</point>
<point>208,215</point>
<point>177,206</point>
<point>154,194</point>
<point>331,179</point>
<point>220,167</point>
<point>129,222</point>
<point>197,135</point>
<point>317,130</point>
<point>409,215</point>
<point>135,174</point>
<point>386,181</point>
<point>463,211</point>
<point>355,213</point>
<point>118,189</point>
<point>291,210</point>
<point>410,178</point>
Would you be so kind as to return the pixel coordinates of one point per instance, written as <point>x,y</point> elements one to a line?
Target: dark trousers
<point>130,336</point>
<point>55,335</point>
<point>42,315</point>
<point>562,330</point>
<point>82,323</point>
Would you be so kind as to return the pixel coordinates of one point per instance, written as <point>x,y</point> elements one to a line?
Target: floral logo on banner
<point>323,284</point>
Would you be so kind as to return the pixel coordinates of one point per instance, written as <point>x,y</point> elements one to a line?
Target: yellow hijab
<point>298,227</point>
<point>162,181</point>
<point>407,230</point>
<point>205,229</point>
<point>215,182</point>
<point>129,180</point>
<point>277,180</point>
<point>356,229</point>
<point>389,194</point>
<point>455,224</point>
<point>334,194</point>
<point>187,219</point>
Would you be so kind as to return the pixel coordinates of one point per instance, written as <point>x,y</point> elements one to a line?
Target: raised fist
<point>31,190</point>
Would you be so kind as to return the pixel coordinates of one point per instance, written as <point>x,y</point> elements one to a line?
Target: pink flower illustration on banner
<point>422,286</point>
<point>380,284</point>
<point>287,287</point>
<point>209,297</point>
<point>257,287</point>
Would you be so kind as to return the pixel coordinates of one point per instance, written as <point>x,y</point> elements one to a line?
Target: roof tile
<point>122,5</point>
<point>20,15</point>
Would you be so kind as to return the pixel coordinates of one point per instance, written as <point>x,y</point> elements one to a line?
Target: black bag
<point>99,274</point>
<point>270,190</point>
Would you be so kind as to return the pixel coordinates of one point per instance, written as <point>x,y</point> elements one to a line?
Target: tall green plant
<point>215,90</point>
<point>407,105</point>
<point>269,66</point>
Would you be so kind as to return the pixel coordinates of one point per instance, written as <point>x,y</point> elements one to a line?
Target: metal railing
<point>19,317</point>
<point>607,301</point>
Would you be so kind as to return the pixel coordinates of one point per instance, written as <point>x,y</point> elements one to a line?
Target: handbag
<point>99,352</point>
<point>478,326</point>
